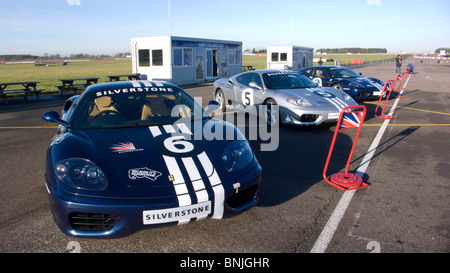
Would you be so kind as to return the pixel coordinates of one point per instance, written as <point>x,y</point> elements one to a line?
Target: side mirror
<point>212,105</point>
<point>254,85</point>
<point>53,116</point>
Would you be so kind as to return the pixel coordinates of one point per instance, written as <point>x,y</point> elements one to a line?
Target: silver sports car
<point>300,101</point>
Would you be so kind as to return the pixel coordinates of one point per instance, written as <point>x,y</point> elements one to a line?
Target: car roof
<point>324,66</point>
<point>263,71</point>
<point>127,84</point>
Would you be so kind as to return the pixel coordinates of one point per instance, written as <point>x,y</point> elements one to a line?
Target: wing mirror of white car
<point>254,85</point>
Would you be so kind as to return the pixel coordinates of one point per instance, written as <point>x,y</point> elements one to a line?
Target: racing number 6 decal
<point>247,97</point>
<point>178,144</point>
<point>168,142</point>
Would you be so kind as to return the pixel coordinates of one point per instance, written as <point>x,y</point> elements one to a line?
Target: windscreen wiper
<point>141,124</point>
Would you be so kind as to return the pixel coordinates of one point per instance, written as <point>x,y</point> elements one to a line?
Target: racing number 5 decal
<point>247,97</point>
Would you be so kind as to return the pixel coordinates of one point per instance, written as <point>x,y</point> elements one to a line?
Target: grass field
<point>260,62</point>
<point>49,76</point>
<point>346,59</point>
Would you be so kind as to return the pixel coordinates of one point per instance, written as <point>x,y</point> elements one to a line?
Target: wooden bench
<point>247,68</point>
<point>69,85</point>
<point>27,88</point>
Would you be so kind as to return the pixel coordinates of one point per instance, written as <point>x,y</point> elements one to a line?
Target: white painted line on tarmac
<point>328,231</point>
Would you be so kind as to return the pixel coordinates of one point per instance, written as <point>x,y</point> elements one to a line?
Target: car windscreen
<point>343,73</point>
<point>286,80</point>
<point>121,108</point>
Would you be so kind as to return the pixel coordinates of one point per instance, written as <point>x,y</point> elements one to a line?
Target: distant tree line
<point>259,51</point>
<point>353,50</point>
<point>46,56</point>
<point>10,58</point>
<point>447,50</point>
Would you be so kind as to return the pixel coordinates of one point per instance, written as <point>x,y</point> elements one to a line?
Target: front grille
<point>242,197</point>
<point>362,94</point>
<point>308,118</point>
<point>92,221</point>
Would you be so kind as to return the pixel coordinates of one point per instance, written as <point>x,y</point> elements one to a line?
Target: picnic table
<point>24,88</point>
<point>69,85</point>
<point>131,77</point>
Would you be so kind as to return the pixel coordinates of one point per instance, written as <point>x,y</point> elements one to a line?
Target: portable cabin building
<point>183,60</point>
<point>289,57</point>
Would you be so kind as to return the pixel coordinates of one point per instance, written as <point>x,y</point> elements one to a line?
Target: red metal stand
<point>401,77</point>
<point>388,87</point>
<point>350,117</point>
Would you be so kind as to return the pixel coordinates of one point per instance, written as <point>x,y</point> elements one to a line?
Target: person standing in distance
<point>398,64</point>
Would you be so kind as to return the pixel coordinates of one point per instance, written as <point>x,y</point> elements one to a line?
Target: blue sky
<point>106,26</point>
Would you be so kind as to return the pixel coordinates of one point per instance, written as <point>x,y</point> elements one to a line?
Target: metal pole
<point>170,28</point>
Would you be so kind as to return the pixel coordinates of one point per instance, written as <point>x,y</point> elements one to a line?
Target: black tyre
<point>220,97</point>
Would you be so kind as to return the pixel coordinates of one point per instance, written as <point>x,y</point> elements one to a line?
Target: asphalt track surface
<point>405,210</point>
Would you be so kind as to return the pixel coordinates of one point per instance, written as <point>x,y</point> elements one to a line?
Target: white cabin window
<point>144,57</point>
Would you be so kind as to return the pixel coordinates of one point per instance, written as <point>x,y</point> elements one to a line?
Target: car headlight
<point>355,85</point>
<point>346,97</point>
<point>301,102</point>
<point>237,155</point>
<point>81,174</point>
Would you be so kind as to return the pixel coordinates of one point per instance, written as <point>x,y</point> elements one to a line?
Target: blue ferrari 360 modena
<point>137,154</point>
<point>345,79</point>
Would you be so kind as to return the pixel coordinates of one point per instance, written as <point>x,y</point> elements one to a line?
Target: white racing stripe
<point>338,103</point>
<point>219,192</point>
<point>341,102</point>
<point>169,129</point>
<point>197,182</point>
<point>178,181</point>
<point>194,176</point>
<point>135,83</point>
<point>155,131</point>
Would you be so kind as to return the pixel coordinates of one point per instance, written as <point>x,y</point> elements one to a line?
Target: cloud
<point>78,2</point>
<point>373,2</point>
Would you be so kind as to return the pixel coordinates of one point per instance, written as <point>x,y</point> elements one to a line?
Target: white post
<point>169,21</point>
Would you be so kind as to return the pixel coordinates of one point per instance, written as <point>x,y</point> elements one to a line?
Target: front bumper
<point>362,94</point>
<point>291,116</point>
<point>113,218</point>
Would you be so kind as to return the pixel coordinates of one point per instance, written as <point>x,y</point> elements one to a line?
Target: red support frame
<point>401,77</point>
<point>347,181</point>
<point>388,87</point>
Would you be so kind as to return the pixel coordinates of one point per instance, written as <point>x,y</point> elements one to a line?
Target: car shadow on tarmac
<point>298,162</point>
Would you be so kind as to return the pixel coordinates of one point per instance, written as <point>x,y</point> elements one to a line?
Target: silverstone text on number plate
<point>176,214</point>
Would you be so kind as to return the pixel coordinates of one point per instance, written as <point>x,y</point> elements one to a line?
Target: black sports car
<point>345,79</point>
